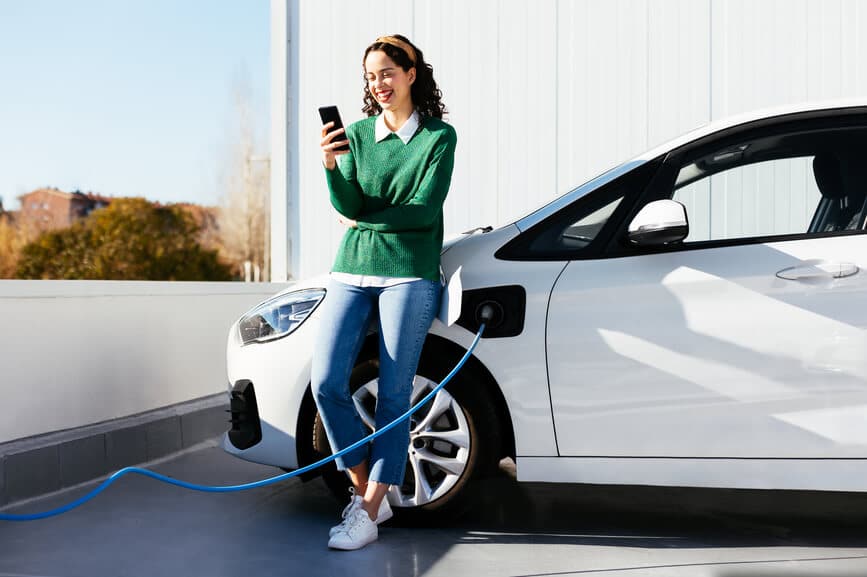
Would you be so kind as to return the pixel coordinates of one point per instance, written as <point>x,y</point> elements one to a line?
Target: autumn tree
<point>244,221</point>
<point>130,239</point>
<point>13,237</point>
<point>8,248</point>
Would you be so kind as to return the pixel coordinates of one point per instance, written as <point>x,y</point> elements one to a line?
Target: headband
<point>398,43</point>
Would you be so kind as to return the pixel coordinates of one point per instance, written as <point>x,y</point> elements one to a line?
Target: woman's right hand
<point>328,145</point>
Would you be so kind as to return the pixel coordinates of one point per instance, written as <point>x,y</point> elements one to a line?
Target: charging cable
<point>484,314</point>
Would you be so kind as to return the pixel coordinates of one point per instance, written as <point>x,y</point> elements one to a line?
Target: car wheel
<point>454,438</point>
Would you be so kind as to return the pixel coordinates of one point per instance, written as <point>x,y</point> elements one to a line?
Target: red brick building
<point>50,208</point>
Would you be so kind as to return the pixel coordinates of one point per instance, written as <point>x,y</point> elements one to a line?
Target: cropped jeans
<point>404,313</point>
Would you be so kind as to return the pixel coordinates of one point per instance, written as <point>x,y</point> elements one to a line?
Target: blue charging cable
<point>256,484</point>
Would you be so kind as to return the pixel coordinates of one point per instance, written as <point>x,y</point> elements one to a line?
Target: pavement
<point>140,527</point>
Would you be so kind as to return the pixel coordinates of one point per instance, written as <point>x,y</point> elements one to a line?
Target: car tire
<point>470,414</point>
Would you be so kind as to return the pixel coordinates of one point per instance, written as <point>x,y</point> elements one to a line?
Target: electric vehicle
<point>693,317</point>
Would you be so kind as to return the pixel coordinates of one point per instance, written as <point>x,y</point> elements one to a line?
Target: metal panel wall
<point>546,94</point>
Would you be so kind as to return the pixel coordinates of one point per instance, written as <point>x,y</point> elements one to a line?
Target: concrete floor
<point>140,527</point>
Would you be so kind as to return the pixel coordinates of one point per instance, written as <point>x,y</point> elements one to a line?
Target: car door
<point>746,339</point>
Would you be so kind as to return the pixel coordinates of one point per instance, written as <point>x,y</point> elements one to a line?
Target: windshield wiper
<point>481,228</point>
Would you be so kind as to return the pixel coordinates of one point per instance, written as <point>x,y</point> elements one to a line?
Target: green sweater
<point>395,192</point>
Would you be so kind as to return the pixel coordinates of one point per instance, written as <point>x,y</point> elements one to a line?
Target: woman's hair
<point>426,96</point>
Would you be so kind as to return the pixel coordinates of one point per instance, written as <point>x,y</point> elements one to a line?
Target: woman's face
<point>388,83</point>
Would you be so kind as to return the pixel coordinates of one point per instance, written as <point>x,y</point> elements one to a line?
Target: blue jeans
<point>405,313</point>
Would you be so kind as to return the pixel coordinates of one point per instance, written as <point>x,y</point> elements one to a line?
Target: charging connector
<point>490,313</point>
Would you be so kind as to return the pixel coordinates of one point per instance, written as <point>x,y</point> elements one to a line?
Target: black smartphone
<point>330,114</point>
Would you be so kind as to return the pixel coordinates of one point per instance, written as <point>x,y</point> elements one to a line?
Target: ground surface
<point>140,527</point>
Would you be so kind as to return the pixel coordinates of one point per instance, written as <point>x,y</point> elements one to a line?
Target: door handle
<point>819,270</point>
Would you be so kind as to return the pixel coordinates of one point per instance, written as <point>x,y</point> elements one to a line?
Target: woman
<point>389,189</point>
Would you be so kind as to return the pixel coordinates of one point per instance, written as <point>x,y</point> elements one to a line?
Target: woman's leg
<point>345,319</point>
<point>406,312</point>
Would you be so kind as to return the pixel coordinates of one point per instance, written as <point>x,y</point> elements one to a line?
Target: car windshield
<point>526,220</point>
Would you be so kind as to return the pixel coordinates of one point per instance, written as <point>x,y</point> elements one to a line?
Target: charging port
<point>501,308</point>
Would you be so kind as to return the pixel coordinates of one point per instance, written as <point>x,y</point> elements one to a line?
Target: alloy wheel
<point>439,442</point>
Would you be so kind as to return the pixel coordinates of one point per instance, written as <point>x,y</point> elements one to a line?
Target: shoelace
<point>342,527</point>
<point>348,508</point>
<point>347,524</point>
<point>344,515</point>
<point>353,521</point>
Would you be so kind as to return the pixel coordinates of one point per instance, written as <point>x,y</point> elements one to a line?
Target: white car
<point>694,317</point>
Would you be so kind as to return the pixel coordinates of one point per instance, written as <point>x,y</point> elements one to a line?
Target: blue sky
<point>128,97</point>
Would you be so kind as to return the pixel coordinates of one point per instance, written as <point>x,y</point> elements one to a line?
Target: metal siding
<point>526,56</point>
<point>458,32</point>
<point>280,213</point>
<point>602,87</point>
<point>332,73</point>
<point>678,50</point>
<point>768,53</point>
<point>545,95</point>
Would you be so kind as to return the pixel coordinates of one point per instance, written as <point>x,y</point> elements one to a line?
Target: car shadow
<point>504,511</point>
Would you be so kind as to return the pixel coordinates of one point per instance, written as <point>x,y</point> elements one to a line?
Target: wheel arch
<point>449,353</point>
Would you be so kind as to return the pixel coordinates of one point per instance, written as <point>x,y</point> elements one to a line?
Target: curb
<point>44,464</point>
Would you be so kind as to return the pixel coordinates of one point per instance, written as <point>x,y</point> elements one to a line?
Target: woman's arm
<point>345,191</point>
<point>342,184</point>
<point>422,209</point>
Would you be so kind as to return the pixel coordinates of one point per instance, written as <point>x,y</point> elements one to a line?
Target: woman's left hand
<point>347,222</point>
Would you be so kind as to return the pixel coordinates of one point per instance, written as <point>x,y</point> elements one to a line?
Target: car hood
<point>453,240</point>
<point>470,243</point>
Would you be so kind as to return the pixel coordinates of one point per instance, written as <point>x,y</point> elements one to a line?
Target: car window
<point>777,197</point>
<point>803,183</point>
<point>582,232</point>
<point>580,229</point>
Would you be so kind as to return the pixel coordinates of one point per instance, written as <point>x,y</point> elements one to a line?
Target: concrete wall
<point>546,94</point>
<point>75,353</point>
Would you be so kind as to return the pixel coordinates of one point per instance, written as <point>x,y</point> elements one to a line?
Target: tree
<point>130,239</point>
<point>245,207</point>
<point>8,248</point>
<point>14,235</point>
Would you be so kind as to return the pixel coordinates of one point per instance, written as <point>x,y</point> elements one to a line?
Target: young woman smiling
<point>389,190</point>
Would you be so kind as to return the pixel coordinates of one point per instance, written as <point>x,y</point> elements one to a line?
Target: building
<point>50,208</point>
<point>544,95</point>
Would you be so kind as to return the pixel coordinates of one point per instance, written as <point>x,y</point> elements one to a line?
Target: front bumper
<point>246,428</point>
<point>267,383</point>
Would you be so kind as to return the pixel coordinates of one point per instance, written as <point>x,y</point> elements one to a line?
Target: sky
<point>129,97</point>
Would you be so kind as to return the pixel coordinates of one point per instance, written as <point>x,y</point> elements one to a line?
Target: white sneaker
<point>356,531</point>
<point>384,514</point>
<point>354,501</point>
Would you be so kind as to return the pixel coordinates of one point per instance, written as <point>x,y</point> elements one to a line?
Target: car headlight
<point>279,316</point>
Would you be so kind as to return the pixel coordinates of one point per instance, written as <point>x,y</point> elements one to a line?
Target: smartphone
<point>330,114</point>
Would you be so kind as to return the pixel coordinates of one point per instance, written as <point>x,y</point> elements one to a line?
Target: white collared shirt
<point>405,132</point>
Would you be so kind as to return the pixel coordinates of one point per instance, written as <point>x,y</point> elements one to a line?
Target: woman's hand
<point>347,222</point>
<point>328,145</point>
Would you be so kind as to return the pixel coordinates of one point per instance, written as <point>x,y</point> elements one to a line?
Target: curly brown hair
<point>426,96</point>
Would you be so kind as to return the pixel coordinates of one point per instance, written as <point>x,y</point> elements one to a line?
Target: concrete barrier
<point>74,353</point>
<point>42,464</point>
<point>79,359</point>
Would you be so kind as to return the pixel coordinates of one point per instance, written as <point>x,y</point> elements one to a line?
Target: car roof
<point>712,127</point>
<point>747,117</point>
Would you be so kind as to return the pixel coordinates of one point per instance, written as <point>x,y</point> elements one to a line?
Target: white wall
<point>545,94</point>
<point>74,353</point>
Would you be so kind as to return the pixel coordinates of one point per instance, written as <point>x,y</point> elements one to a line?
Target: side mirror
<point>659,222</point>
